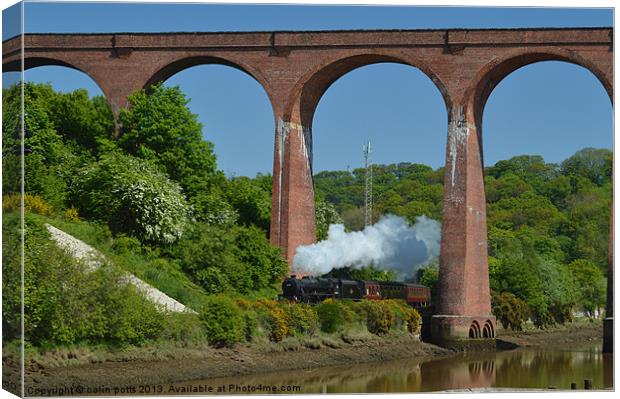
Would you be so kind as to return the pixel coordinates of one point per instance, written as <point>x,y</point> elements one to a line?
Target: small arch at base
<point>474,330</point>
<point>487,331</point>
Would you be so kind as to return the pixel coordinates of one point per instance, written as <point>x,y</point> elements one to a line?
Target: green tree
<point>159,126</point>
<point>506,186</point>
<point>133,197</point>
<point>365,273</point>
<point>251,201</point>
<point>591,285</point>
<point>223,259</point>
<point>353,219</point>
<point>528,209</point>
<point>588,212</point>
<point>86,122</point>
<point>62,132</point>
<point>429,276</point>
<point>264,263</point>
<point>511,311</point>
<point>591,163</point>
<point>325,215</point>
<point>559,289</point>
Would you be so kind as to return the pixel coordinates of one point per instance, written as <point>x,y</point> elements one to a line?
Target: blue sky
<point>550,108</point>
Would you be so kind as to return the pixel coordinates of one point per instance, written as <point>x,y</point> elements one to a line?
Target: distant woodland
<point>155,202</point>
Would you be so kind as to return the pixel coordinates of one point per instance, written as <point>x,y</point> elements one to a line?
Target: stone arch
<point>35,62</point>
<point>474,330</point>
<point>496,70</point>
<point>178,65</point>
<point>293,186</point>
<point>109,90</point>
<point>308,91</point>
<point>487,330</point>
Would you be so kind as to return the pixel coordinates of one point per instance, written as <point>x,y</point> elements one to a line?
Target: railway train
<point>314,290</point>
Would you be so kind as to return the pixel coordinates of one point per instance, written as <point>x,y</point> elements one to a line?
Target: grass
<point>161,273</point>
<point>83,354</point>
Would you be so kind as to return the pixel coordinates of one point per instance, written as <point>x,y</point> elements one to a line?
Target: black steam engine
<point>314,290</point>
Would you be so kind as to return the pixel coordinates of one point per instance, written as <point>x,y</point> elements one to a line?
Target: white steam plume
<point>391,243</point>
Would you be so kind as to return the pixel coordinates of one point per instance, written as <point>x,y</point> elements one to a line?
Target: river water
<point>521,368</point>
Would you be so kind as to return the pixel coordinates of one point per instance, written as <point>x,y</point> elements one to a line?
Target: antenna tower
<point>368,189</point>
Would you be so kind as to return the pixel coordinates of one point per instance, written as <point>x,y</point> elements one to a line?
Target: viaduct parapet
<point>296,68</point>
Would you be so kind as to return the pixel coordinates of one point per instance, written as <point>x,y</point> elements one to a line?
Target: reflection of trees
<point>543,368</point>
<point>521,368</point>
<point>401,376</point>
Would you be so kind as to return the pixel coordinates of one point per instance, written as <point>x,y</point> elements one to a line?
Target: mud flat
<point>73,369</point>
<point>92,369</point>
<point>569,336</point>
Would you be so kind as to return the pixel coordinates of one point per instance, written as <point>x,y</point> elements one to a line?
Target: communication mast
<point>368,189</point>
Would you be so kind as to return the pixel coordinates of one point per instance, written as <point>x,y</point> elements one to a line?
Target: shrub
<point>300,318</point>
<point>397,307</point>
<point>353,312</point>
<point>11,202</point>
<point>137,321</point>
<point>262,262</point>
<point>409,316</point>
<point>66,303</point>
<point>223,321</point>
<point>511,311</point>
<point>260,319</point>
<point>125,244</point>
<point>250,319</point>
<point>213,280</point>
<point>134,197</point>
<point>277,324</point>
<point>207,254</point>
<point>380,316</point>
<point>183,327</point>
<point>405,315</point>
<point>413,320</point>
<point>32,203</point>
<point>71,215</point>
<point>220,259</point>
<point>244,304</point>
<point>331,316</point>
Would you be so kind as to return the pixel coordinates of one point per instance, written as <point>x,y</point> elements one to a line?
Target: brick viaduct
<point>296,68</point>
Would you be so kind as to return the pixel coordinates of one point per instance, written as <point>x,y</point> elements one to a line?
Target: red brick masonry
<point>296,68</point>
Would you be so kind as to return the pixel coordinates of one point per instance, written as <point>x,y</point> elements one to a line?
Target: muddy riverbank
<point>571,335</point>
<point>165,364</point>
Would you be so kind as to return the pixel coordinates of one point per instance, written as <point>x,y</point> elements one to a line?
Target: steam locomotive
<point>315,290</point>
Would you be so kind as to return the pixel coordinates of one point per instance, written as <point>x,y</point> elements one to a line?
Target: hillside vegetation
<point>548,226</point>
<point>154,202</point>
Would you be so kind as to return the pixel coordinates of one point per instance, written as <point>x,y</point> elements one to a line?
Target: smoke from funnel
<point>391,243</point>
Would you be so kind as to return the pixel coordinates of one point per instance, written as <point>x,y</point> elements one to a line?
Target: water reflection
<point>520,368</point>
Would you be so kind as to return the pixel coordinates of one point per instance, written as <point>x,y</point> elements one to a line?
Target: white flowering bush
<point>134,197</point>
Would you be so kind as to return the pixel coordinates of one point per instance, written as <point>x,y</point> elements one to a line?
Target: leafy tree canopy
<point>159,126</point>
